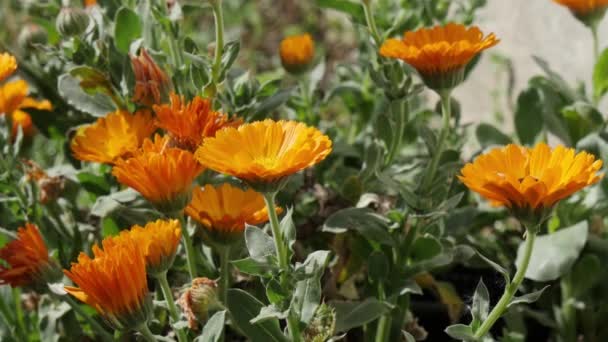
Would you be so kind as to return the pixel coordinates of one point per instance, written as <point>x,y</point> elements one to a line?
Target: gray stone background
<point>527,28</point>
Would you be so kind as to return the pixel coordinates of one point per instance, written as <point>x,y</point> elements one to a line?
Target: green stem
<point>396,144</point>
<point>596,41</point>
<point>269,198</point>
<point>166,289</point>
<point>190,254</point>
<point>101,332</point>
<point>371,22</point>
<point>225,273</point>
<point>384,324</point>
<point>146,333</point>
<point>446,111</point>
<point>510,290</point>
<point>218,15</point>
<point>568,310</point>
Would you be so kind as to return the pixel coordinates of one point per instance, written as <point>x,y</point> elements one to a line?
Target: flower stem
<point>568,310</point>
<point>510,290</point>
<point>596,42</point>
<point>281,248</point>
<point>218,14</point>
<point>225,273</point>
<point>146,333</point>
<point>190,256</point>
<point>384,324</point>
<point>446,112</point>
<point>102,333</point>
<point>371,22</point>
<point>164,285</point>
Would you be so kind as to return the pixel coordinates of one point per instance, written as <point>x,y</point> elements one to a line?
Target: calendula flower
<point>158,242</point>
<point>297,52</point>
<point>14,102</point>
<point>440,54</point>
<point>586,10</point>
<point>530,181</point>
<point>189,122</point>
<point>264,153</point>
<point>198,300</point>
<point>114,283</point>
<point>8,65</point>
<point>117,135</point>
<point>27,260</point>
<point>152,84</point>
<point>163,177</point>
<point>223,211</point>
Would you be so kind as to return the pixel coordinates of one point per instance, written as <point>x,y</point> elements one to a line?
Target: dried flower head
<point>152,85</point>
<point>198,300</point>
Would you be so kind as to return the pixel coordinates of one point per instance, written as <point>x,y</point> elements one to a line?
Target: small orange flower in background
<point>584,8</point>
<point>113,282</point>
<point>27,258</point>
<point>223,211</point>
<point>14,101</point>
<point>297,52</point>
<point>264,152</point>
<point>189,122</point>
<point>440,54</point>
<point>152,85</point>
<point>530,181</point>
<point>158,242</point>
<point>164,177</point>
<point>117,135</point>
<point>8,65</point>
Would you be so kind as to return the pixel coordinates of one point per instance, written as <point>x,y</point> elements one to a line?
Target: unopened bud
<point>198,300</point>
<point>72,21</point>
<point>297,53</point>
<point>30,36</point>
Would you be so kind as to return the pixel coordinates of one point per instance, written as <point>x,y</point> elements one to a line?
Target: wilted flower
<point>8,65</point>
<point>163,175</point>
<point>50,187</point>
<point>13,102</point>
<point>587,11</point>
<point>440,54</point>
<point>117,135</point>
<point>27,259</point>
<point>198,300</point>
<point>223,211</point>
<point>530,181</point>
<point>72,21</point>
<point>152,85</point>
<point>188,123</point>
<point>264,153</point>
<point>297,52</point>
<point>114,283</point>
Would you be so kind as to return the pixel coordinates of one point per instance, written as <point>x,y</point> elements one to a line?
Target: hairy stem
<point>173,311</point>
<point>190,254</point>
<point>446,112</point>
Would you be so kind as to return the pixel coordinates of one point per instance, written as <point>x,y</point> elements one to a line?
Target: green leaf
<point>127,28</point>
<point>497,267</point>
<point>407,336</point>
<point>259,244</point>
<point>586,273</point>
<point>243,308</point>
<point>488,135</point>
<point>351,8</point>
<point>270,312</point>
<point>527,298</point>
<point>581,119</point>
<point>554,254</point>
<point>254,267</point>
<point>307,295</point>
<point>97,105</point>
<point>600,76</point>
<point>269,104</point>
<point>528,116</point>
<point>369,224</point>
<point>378,266</point>
<point>231,52</point>
<point>481,305</point>
<point>355,314</point>
<point>460,332</point>
<point>288,229</point>
<point>212,331</point>
<point>426,247</point>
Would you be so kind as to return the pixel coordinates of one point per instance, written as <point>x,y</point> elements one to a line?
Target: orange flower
<point>440,54</point>
<point>27,258</point>
<point>264,152</point>
<point>530,180</point>
<point>8,65</point>
<point>117,135</point>
<point>189,123</point>
<point>223,211</point>
<point>113,282</point>
<point>583,8</point>
<point>297,52</point>
<point>151,83</point>
<point>13,98</point>
<point>163,177</point>
<point>158,242</point>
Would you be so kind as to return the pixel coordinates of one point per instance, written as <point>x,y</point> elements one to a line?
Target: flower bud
<point>198,300</point>
<point>323,325</point>
<point>30,36</point>
<point>72,21</point>
<point>152,85</point>
<point>297,53</point>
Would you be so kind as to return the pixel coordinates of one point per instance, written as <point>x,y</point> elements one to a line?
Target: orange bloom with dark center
<point>188,123</point>
<point>534,179</point>
<point>440,51</point>
<point>264,151</point>
<point>583,7</point>
<point>163,177</point>
<point>8,65</point>
<point>27,258</point>
<point>297,52</point>
<point>117,135</point>
<point>113,282</point>
<point>151,83</point>
<point>14,102</point>
<point>223,211</point>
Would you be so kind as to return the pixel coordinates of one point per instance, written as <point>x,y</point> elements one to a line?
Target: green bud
<point>323,325</point>
<point>30,36</point>
<point>72,21</point>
